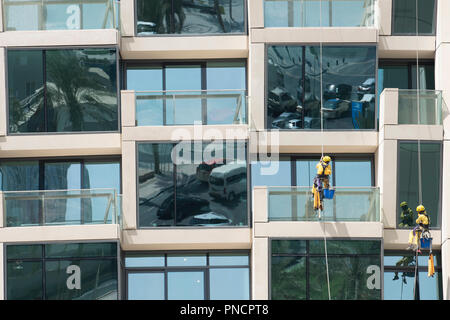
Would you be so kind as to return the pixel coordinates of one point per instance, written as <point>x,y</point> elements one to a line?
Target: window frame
<point>43,49</point>
<point>245,32</point>
<point>398,210</point>
<point>305,44</point>
<point>433,33</point>
<point>166,269</point>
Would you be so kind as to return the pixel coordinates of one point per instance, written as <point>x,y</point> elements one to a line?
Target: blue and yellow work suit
<point>423,223</point>
<point>321,181</point>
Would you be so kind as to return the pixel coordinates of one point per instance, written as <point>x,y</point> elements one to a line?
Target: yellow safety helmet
<point>420,208</point>
<point>403,204</point>
<point>326,159</point>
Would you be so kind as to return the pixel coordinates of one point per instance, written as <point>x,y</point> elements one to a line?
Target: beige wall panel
<point>445,258</point>
<point>60,145</point>
<point>59,38</point>
<point>208,47</point>
<point>397,239</point>
<point>260,204</point>
<point>401,47</point>
<point>442,22</point>
<point>388,107</point>
<point>2,272</point>
<point>3,102</point>
<point>127,18</point>
<point>60,233</point>
<point>384,16</point>
<point>128,108</point>
<point>187,239</point>
<point>256,14</point>
<point>314,35</point>
<point>413,132</point>
<point>260,269</point>
<point>278,229</point>
<point>388,188</point>
<point>442,81</point>
<point>256,86</point>
<point>129,181</point>
<point>176,133</point>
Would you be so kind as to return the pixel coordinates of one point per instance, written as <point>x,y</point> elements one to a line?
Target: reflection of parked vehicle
<point>204,169</point>
<point>145,28</point>
<point>228,181</point>
<point>279,100</point>
<point>335,108</point>
<point>281,122</point>
<point>210,219</point>
<point>186,206</point>
<point>367,87</point>
<point>340,91</point>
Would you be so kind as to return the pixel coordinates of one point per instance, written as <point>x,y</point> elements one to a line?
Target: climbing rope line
<point>322,139</point>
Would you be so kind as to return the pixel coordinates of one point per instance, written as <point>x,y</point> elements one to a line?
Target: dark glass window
<point>190,17</point>
<point>298,270</point>
<point>399,276</point>
<point>206,276</point>
<point>70,90</point>
<point>204,184</point>
<point>211,92</point>
<point>86,271</point>
<point>408,178</point>
<point>294,87</point>
<point>408,21</point>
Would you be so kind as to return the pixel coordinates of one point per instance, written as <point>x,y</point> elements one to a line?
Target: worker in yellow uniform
<point>422,225</point>
<point>321,181</point>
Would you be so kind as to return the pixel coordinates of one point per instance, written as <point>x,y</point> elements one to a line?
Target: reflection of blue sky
<point>398,290</point>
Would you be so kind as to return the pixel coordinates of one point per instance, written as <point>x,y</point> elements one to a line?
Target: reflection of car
<point>340,91</point>
<point>204,169</point>
<point>186,206</point>
<point>281,122</point>
<point>335,108</point>
<point>228,181</point>
<point>279,100</point>
<point>293,120</point>
<point>210,219</point>
<point>367,87</point>
<point>145,28</point>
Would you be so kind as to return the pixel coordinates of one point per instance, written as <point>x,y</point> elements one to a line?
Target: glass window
<point>298,270</point>
<point>194,17</point>
<point>353,173</point>
<point>294,87</point>
<point>281,178</point>
<point>58,271</point>
<point>190,276</point>
<point>408,180</point>
<point>408,20</point>
<point>399,276</point>
<point>208,186</point>
<point>84,99</point>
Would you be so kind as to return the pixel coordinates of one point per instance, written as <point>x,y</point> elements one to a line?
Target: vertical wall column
<point>129,200</point>
<point>127,18</point>
<point>260,269</point>
<point>384,17</point>
<point>3,102</point>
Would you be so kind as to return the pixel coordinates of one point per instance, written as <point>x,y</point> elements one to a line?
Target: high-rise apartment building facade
<point>157,149</point>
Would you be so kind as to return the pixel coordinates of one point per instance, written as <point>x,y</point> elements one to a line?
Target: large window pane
<point>80,250</point>
<point>194,17</point>
<point>353,173</point>
<point>229,284</point>
<point>281,178</point>
<point>288,280</point>
<point>408,20</point>
<point>294,87</point>
<point>187,285</point>
<point>24,280</point>
<point>408,178</point>
<point>146,286</point>
<point>26,91</point>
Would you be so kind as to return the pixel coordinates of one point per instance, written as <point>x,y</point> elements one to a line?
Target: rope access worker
<point>321,181</point>
<point>406,216</point>
<point>422,226</point>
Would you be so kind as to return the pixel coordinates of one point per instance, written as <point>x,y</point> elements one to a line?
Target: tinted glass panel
<point>229,283</point>
<point>188,285</point>
<point>294,87</point>
<point>80,250</point>
<point>403,287</point>
<point>408,20</point>
<point>194,17</point>
<point>289,246</point>
<point>408,180</point>
<point>288,278</point>
<point>146,286</point>
<point>24,251</point>
<point>345,247</point>
<point>24,280</point>
<point>26,91</point>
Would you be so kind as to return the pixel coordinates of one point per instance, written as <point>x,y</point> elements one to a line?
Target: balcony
<point>429,103</point>
<point>306,13</point>
<point>29,15</point>
<point>61,207</point>
<point>348,204</point>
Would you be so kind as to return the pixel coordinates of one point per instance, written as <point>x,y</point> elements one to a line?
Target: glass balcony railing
<point>165,108</point>
<point>19,15</point>
<point>348,204</point>
<point>430,107</point>
<point>60,207</point>
<point>306,13</point>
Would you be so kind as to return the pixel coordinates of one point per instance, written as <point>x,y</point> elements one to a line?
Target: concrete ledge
<point>41,145</point>
<point>186,47</point>
<point>313,230</point>
<point>187,239</point>
<point>397,239</point>
<point>413,132</point>
<point>60,233</point>
<point>314,35</point>
<point>406,47</point>
<point>97,37</point>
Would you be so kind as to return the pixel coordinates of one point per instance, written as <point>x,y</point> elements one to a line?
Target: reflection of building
<point>135,162</point>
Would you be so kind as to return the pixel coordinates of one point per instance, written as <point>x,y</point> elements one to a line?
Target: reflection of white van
<point>228,181</point>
